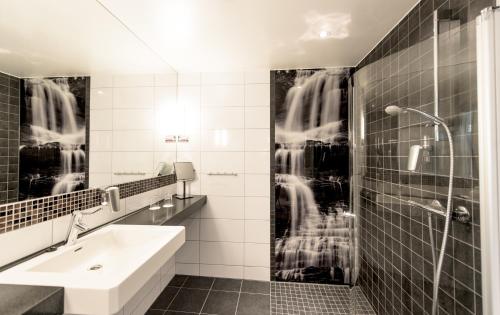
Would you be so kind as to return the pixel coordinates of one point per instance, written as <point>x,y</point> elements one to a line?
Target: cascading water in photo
<point>53,141</point>
<point>311,176</point>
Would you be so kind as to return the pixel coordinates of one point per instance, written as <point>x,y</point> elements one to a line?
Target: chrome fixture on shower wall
<point>412,161</point>
<point>413,157</point>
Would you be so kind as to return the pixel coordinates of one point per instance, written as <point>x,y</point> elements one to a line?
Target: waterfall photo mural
<point>311,175</point>
<point>53,140</point>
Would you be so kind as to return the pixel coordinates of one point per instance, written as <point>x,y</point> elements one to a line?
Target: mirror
<point>83,103</point>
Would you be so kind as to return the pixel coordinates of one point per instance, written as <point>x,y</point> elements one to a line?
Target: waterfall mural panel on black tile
<point>53,144</point>
<point>311,176</point>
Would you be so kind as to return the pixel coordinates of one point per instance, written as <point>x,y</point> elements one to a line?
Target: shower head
<point>393,110</point>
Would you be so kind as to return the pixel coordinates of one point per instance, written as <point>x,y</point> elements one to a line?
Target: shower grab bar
<point>221,174</point>
<point>129,173</point>
<point>459,213</point>
<point>434,207</point>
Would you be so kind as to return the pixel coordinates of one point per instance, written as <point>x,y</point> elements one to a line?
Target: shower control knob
<point>461,214</point>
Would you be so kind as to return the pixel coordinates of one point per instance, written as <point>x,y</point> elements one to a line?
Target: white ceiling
<point>69,37</point>
<point>75,37</point>
<point>207,35</point>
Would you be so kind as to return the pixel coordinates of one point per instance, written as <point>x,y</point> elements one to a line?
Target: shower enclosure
<point>429,69</point>
<point>314,230</point>
<point>377,239</point>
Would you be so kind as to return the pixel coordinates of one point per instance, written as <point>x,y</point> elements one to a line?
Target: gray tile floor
<point>204,295</point>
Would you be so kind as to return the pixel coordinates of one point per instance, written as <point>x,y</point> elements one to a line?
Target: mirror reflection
<point>75,111</point>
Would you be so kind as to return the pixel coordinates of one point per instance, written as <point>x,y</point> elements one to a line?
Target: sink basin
<point>102,271</point>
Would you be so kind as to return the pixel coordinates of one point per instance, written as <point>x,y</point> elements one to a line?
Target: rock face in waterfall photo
<point>53,139</point>
<point>311,176</point>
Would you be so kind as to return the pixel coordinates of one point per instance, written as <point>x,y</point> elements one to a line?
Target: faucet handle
<point>81,226</point>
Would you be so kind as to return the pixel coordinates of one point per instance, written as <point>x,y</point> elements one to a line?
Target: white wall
<point>128,117</point>
<point>227,116</point>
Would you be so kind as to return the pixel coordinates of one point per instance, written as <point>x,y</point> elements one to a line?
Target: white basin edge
<point>89,293</point>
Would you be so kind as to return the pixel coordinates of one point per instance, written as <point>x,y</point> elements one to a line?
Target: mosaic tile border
<point>25,213</point>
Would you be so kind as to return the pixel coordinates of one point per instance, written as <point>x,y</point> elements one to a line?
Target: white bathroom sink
<point>103,270</point>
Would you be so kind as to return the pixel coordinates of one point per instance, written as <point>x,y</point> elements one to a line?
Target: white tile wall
<point>25,241</point>
<point>219,207</point>
<point>222,271</point>
<point>232,118</point>
<point>222,230</point>
<point>257,117</point>
<point>223,140</point>
<point>257,163</point>
<point>221,253</point>
<point>189,78</point>
<point>223,96</point>
<point>101,98</point>
<point>257,208</point>
<point>101,119</point>
<point>129,119</point>
<point>233,162</point>
<point>133,97</point>
<point>101,81</point>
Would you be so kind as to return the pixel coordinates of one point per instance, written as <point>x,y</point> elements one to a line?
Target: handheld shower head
<point>393,110</point>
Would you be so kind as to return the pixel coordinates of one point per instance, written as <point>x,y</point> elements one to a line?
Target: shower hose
<point>437,268</point>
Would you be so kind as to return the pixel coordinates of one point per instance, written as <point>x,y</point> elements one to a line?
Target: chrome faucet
<point>76,226</point>
<point>109,196</point>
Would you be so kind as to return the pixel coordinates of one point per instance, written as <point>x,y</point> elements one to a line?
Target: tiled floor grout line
<point>286,298</point>
<point>238,302</point>
<point>179,290</point>
<point>208,294</point>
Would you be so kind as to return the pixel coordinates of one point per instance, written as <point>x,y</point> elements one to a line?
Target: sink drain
<point>95,267</point>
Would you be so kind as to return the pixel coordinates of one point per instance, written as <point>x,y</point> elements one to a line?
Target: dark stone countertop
<point>27,299</point>
<point>182,209</point>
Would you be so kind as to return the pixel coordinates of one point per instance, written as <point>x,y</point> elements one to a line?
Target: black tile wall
<point>21,214</point>
<point>396,263</point>
<point>9,137</point>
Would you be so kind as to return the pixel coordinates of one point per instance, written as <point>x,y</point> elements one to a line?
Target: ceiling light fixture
<point>324,34</point>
